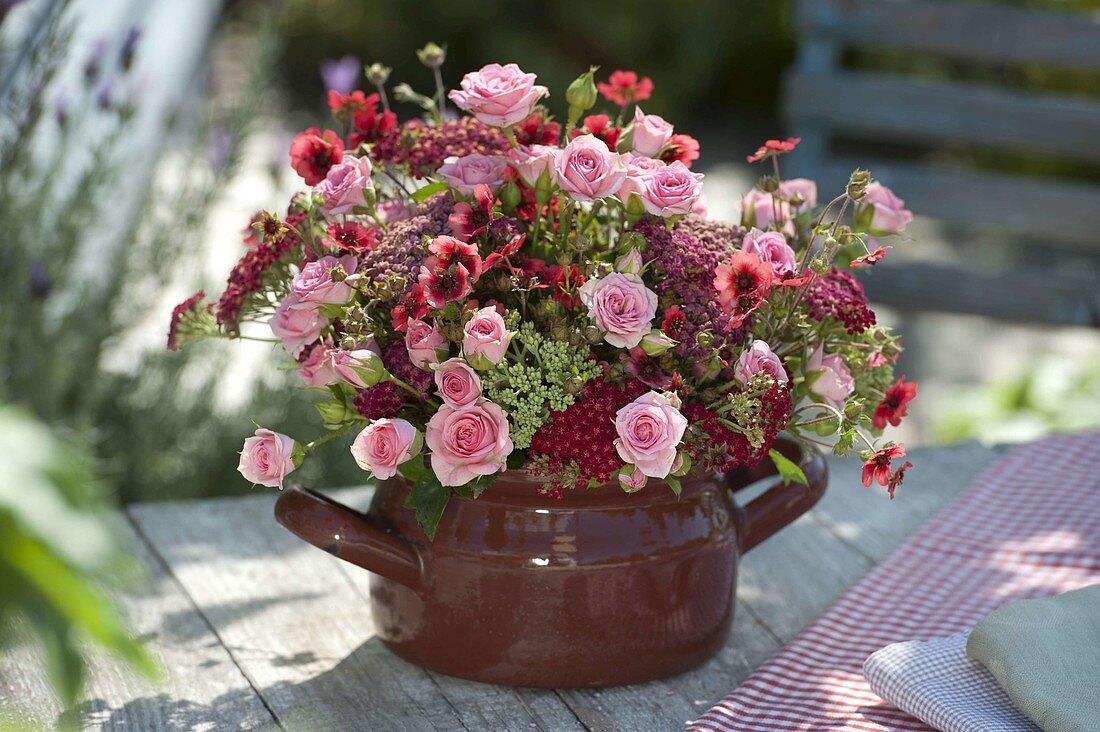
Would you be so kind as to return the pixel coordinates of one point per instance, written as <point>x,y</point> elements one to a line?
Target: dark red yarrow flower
<point>771,148</point>
<point>247,275</point>
<point>877,467</point>
<point>179,312</point>
<point>684,148</point>
<point>871,257</point>
<point>894,405</point>
<point>313,152</point>
<point>422,148</point>
<point>624,87</point>
<point>723,449</point>
<point>599,126</point>
<point>837,295</point>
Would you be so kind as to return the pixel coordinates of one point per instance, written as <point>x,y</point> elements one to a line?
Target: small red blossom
<point>673,323</point>
<point>535,130</point>
<point>450,251</point>
<point>566,281</point>
<point>684,148</point>
<point>444,284</point>
<point>351,237</point>
<point>871,257</point>
<point>743,284</point>
<point>413,304</point>
<point>599,126</point>
<point>370,125</point>
<point>877,467</point>
<point>894,405</point>
<point>467,220</point>
<point>896,478</point>
<point>501,255</point>
<point>771,148</point>
<point>189,305</point>
<point>646,370</point>
<point>624,87</point>
<point>313,152</point>
<point>345,106</point>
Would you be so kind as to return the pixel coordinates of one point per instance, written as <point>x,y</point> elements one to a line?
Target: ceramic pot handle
<point>780,504</point>
<point>348,534</point>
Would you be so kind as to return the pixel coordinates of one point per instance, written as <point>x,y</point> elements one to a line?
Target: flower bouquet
<point>486,288</point>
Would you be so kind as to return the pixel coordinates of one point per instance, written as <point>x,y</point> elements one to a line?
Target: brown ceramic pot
<point>597,589</point>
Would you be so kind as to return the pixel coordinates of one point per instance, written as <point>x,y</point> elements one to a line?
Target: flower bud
<point>573,385</point>
<point>378,74</point>
<point>404,93</point>
<point>820,264</point>
<point>656,343</point>
<point>581,94</point>
<point>338,273</point>
<point>510,194</point>
<point>630,263</point>
<point>348,343</point>
<point>768,184</point>
<point>704,339</point>
<point>631,479</point>
<point>682,465</point>
<point>432,55</point>
<point>544,188</point>
<point>371,369</point>
<point>592,334</point>
<point>857,184</point>
<point>333,413</point>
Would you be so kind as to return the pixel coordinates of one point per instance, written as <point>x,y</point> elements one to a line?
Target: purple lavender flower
<point>93,64</point>
<point>129,46</point>
<point>341,74</point>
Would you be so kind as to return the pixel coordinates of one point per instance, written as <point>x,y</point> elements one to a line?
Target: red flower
<point>191,304</point>
<point>313,152</point>
<point>894,405</point>
<point>351,237</point>
<point>877,467</point>
<point>444,284</point>
<point>742,283</point>
<point>871,257</point>
<point>895,479</point>
<point>465,221</point>
<point>450,251</point>
<point>413,304</point>
<point>599,125</point>
<point>506,251</point>
<point>625,87</point>
<point>369,125</point>
<point>646,370</point>
<point>345,106</point>
<point>566,281</point>
<point>684,148</point>
<point>534,130</point>
<point>772,148</point>
<point>673,323</point>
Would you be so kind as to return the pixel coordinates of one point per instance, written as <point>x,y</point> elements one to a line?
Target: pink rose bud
<point>631,480</point>
<point>533,162</point>
<point>464,173</point>
<point>314,285</point>
<point>630,262</point>
<point>638,168</point>
<point>268,457</point>
<point>343,189</point>
<point>650,133</point>
<point>656,343</point>
<point>801,186</point>
<point>468,442</point>
<point>498,95</point>
<point>295,325</point>
<point>756,358</point>
<point>649,430</point>
<point>486,338</point>
<point>772,248</point>
<point>834,383</point>
<point>587,170</point>
<point>360,367</point>
<point>385,444</point>
<point>672,190</point>
<point>458,384</point>
<point>621,306</point>
<point>888,212</point>
<point>425,343</point>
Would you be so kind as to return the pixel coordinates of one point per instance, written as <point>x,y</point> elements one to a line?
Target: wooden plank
<point>203,688</point>
<point>905,109</point>
<point>973,31</point>
<point>1023,295</point>
<point>1059,212</point>
<point>302,632</point>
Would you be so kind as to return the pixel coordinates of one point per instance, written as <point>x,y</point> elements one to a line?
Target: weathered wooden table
<point>257,630</point>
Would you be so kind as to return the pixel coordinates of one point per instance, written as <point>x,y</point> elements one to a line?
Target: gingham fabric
<point>1029,526</point>
<point>936,682</point>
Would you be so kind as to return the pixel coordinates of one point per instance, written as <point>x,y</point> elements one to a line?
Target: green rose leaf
<point>788,470</point>
<point>428,498</point>
<point>423,194</point>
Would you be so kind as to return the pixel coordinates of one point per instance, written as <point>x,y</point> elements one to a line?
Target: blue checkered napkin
<point>936,682</point>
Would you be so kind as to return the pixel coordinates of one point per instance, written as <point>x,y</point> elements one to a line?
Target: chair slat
<point>972,31</point>
<point>900,108</point>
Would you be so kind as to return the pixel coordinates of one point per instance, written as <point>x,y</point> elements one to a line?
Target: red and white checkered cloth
<point>1029,526</point>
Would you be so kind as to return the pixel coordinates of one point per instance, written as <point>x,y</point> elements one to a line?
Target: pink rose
<point>383,445</point>
<point>467,442</point>
<point>756,358</point>
<point>757,209</point>
<point>622,306</point>
<point>835,382</point>
<point>772,248</point>
<point>465,172</point>
<point>425,342</point>
<point>532,161</point>
<point>638,168</point>
<point>803,187</point>
<point>296,325</point>
<point>889,213</point>
<point>671,190</point>
<point>328,365</point>
<point>458,384</point>
<point>700,207</point>
<point>498,95</point>
<point>650,133</point>
<point>267,458</point>
<point>342,188</point>
<point>487,338</point>
<point>587,170</point>
<point>649,429</point>
<point>313,286</point>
